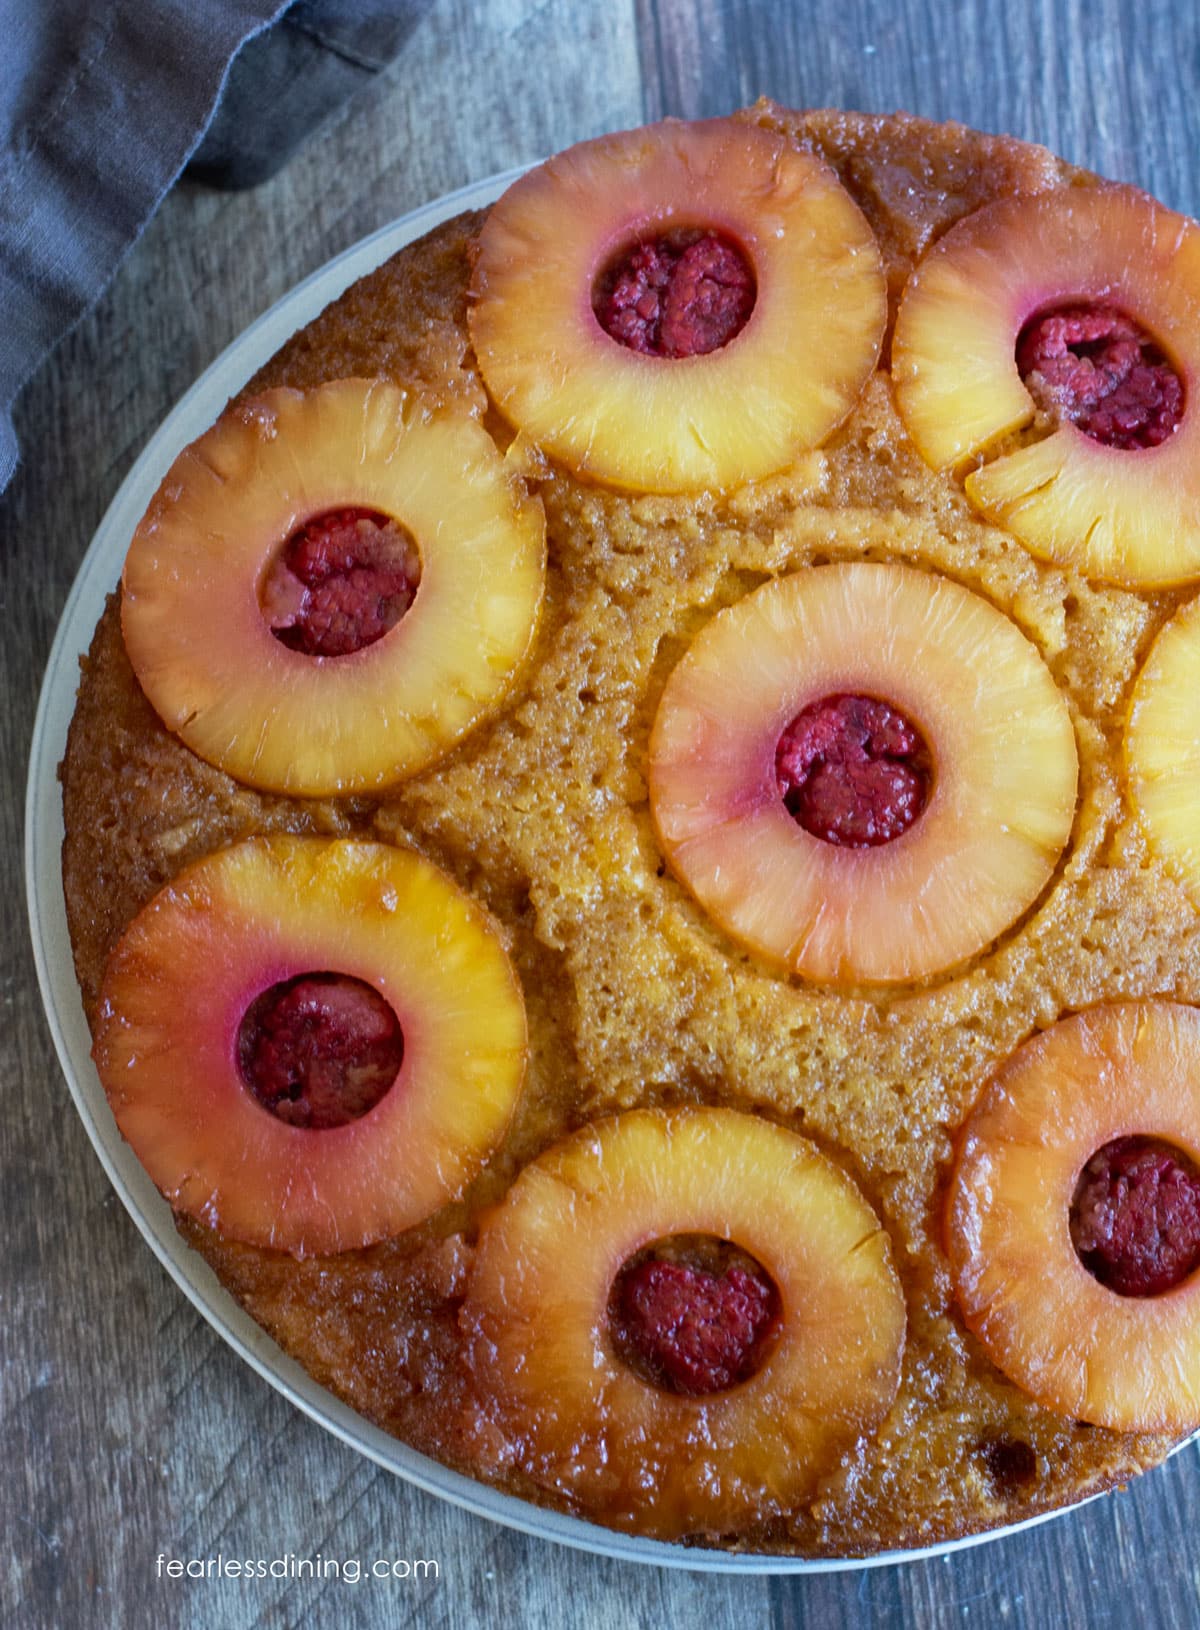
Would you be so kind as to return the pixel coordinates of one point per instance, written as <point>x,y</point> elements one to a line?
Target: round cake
<point>631,849</point>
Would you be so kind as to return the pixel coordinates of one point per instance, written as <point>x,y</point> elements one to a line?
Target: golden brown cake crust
<point>634,995</point>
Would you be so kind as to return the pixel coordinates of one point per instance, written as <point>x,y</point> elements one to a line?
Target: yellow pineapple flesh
<point>677,423</point>
<point>584,1422</point>
<point>1106,1076</point>
<point>1124,513</point>
<point>1004,772</point>
<point>201,611</point>
<point>171,1041</point>
<point>1162,746</point>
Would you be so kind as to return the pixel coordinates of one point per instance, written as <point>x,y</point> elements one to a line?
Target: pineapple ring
<point>1162,746</point>
<point>715,420</point>
<point>1130,517</point>
<point>536,1317</point>
<point>1128,1363</point>
<point>191,608</point>
<point>999,812</point>
<point>263,911</point>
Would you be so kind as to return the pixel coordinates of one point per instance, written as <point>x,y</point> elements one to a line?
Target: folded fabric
<point>286,82</point>
<point>102,102</point>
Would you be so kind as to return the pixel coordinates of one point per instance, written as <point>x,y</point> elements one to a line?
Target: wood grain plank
<point>1105,84</point>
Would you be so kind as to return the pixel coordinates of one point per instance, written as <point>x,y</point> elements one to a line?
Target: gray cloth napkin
<point>102,102</point>
<point>285,82</point>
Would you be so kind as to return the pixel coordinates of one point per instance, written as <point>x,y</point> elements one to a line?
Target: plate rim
<point>98,572</point>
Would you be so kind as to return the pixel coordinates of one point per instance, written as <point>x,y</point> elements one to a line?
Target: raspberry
<point>1135,1217</point>
<point>677,296</point>
<point>1098,368</point>
<point>691,1330</point>
<point>853,771</point>
<point>319,1051</point>
<point>340,583</point>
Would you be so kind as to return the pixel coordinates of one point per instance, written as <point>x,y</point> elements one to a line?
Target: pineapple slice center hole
<point>340,582</point>
<point>1093,365</point>
<point>853,771</point>
<point>1135,1216</point>
<point>693,1314</point>
<point>678,294</point>
<point>319,1050</point>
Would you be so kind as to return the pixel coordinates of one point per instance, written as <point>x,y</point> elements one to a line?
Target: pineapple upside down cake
<point>633,836</point>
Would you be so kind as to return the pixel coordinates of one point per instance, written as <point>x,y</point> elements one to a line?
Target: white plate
<point>98,574</point>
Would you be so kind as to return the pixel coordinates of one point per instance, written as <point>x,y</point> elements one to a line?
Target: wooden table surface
<point>129,1429</point>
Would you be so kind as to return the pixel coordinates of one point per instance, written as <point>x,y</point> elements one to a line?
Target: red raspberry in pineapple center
<point>1135,1216</point>
<point>1098,368</point>
<point>853,771</point>
<point>693,1315</point>
<point>319,1051</point>
<point>340,582</point>
<point>679,295</point>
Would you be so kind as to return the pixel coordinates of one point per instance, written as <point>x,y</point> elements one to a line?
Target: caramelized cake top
<point>636,997</point>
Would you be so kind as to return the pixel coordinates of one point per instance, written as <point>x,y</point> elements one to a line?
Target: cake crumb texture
<point>635,997</point>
